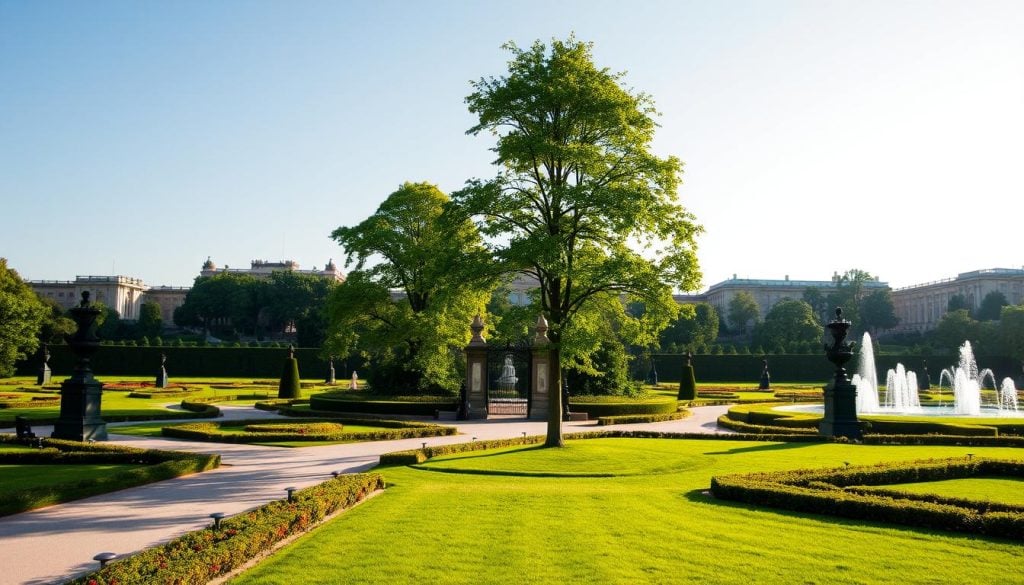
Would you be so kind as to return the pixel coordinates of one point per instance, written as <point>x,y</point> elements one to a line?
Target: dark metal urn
<point>840,419</point>
<point>81,393</point>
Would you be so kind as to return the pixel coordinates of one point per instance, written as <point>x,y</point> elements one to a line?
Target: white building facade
<point>920,307</point>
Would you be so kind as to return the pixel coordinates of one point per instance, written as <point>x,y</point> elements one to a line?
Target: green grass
<point>1006,490</point>
<point>35,476</point>
<point>154,430</point>
<point>118,403</point>
<point>648,523</point>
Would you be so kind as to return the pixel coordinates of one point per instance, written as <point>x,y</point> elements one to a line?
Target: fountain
<point>967,383</point>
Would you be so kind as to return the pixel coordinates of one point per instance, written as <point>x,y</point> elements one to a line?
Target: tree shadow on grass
<point>764,447</point>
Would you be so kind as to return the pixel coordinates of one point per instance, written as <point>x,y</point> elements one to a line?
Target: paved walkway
<point>56,543</point>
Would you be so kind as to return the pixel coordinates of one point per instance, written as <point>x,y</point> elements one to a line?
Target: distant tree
<point>297,300</point>
<point>957,302</point>
<point>56,325</point>
<point>789,324</point>
<point>581,203</point>
<point>695,329</point>
<point>21,317</point>
<point>150,320</point>
<point>409,336</point>
<point>954,329</point>
<point>992,306</point>
<point>1011,331</point>
<point>818,301</point>
<point>743,310</point>
<point>108,323</point>
<point>877,311</point>
<point>849,294</point>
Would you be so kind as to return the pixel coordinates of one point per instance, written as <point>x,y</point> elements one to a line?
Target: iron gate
<point>508,380</point>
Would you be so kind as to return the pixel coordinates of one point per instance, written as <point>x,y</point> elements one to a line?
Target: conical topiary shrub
<point>688,382</point>
<point>289,386</point>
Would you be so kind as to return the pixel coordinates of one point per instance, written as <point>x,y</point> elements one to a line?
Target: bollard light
<point>104,558</point>
<point>217,517</point>
<point>846,463</point>
<point>291,491</point>
<point>335,474</point>
<point>970,456</point>
<point>424,444</point>
<point>524,434</point>
<point>474,438</point>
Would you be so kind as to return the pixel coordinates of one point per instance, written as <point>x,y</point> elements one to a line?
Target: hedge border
<point>819,491</point>
<point>206,554</point>
<point>328,403</point>
<point>398,430</point>
<point>158,466</point>
<point>626,419</point>
<point>604,409</point>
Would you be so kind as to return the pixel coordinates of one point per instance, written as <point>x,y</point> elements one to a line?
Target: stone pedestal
<point>80,395</point>
<point>540,385</point>
<point>840,419</point>
<point>476,371</point>
<point>44,375</point>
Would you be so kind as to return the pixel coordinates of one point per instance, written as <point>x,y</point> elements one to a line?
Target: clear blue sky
<point>138,138</point>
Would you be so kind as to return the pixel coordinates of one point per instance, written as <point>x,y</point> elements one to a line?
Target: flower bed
<point>204,555</point>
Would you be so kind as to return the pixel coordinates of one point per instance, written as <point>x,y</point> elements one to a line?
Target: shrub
<point>340,402</point>
<point>263,431</point>
<point>660,405</point>
<point>687,382</point>
<point>290,384</point>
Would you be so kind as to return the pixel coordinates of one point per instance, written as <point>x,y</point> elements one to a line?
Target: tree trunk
<point>554,438</point>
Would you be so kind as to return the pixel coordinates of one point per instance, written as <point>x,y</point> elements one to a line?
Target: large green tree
<point>581,203</point>
<point>743,311</point>
<point>954,328</point>
<point>694,329</point>
<point>150,319</point>
<point>877,311</point>
<point>1011,331</point>
<point>411,247</point>
<point>21,316</point>
<point>789,325</point>
<point>991,306</point>
<point>56,325</point>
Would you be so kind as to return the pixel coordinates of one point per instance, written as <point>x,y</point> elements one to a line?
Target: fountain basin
<point>943,411</point>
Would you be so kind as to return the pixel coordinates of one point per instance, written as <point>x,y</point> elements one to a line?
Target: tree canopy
<point>21,316</point>
<point>743,310</point>
<point>580,202</point>
<point>694,329</point>
<point>992,306</point>
<point>790,325</point>
<point>410,247</point>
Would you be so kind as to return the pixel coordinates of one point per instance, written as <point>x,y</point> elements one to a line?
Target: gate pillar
<point>540,383</point>
<point>476,370</point>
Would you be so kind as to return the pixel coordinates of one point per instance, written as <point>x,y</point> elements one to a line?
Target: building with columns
<point>264,268</point>
<point>920,307</point>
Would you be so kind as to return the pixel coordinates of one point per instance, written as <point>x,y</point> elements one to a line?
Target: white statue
<point>354,385</point>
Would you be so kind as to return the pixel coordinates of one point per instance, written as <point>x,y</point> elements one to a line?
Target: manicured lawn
<point>154,430</point>
<point>35,476</point>
<point>1007,490</point>
<point>119,403</point>
<point>525,515</point>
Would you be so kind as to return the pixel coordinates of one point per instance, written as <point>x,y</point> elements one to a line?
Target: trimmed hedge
<point>602,409</point>
<point>330,401</point>
<point>211,431</point>
<point>641,418</point>
<point>822,492</point>
<point>154,466</point>
<point>741,427</point>
<point>35,402</point>
<point>203,555</point>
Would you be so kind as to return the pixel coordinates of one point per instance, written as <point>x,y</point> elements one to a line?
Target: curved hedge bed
<point>844,492</point>
<point>292,431</point>
<point>604,406</point>
<point>344,402</point>
<point>154,466</point>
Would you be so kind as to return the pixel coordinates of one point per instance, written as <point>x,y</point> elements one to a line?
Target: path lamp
<point>335,474</point>
<point>217,517</point>
<point>104,558</point>
<point>291,492</point>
